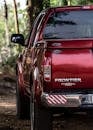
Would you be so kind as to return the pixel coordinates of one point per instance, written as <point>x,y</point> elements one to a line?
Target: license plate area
<point>73,101</point>
<point>87,99</point>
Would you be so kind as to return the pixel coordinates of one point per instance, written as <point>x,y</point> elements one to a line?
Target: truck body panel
<point>72,67</point>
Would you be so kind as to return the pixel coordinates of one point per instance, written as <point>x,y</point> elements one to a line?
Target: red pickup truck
<point>55,70</point>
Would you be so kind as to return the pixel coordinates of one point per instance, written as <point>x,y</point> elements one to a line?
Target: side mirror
<point>18,38</point>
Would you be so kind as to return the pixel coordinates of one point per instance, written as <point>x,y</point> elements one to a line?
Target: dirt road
<point>8,115</point>
<point>8,120</point>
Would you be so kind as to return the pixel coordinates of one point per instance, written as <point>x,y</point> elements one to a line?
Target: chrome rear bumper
<point>67,100</point>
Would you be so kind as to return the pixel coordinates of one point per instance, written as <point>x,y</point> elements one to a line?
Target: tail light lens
<point>47,69</point>
<point>47,73</point>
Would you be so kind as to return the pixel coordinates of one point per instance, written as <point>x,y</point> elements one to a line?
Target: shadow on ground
<point>8,119</point>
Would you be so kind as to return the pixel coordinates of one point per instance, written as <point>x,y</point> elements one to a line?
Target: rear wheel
<point>41,118</point>
<point>23,104</point>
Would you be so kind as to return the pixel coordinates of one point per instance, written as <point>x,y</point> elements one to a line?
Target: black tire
<point>41,118</point>
<point>90,113</point>
<point>23,104</point>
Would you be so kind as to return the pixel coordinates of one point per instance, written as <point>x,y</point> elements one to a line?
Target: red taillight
<point>47,69</point>
<point>47,73</point>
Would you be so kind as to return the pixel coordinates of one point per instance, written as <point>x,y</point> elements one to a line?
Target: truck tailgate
<point>72,66</point>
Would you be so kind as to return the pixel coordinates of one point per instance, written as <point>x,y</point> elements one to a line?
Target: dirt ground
<point>9,121</point>
<point>8,118</point>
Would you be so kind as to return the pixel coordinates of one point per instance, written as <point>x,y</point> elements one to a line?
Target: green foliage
<point>85,2</point>
<point>46,3</point>
<point>53,2</point>
<point>8,66</point>
<point>73,2</point>
<point>58,2</point>
<point>9,52</point>
<point>2,31</point>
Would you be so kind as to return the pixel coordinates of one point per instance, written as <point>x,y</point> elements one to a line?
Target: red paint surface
<point>71,59</point>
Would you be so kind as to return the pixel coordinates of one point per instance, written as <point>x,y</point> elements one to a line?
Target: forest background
<point>15,18</point>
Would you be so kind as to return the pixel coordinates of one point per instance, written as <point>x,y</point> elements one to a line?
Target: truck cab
<point>60,67</point>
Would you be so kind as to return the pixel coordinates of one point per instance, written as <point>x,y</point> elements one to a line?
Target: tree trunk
<point>16,17</point>
<point>16,21</point>
<point>65,2</point>
<point>6,22</point>
<point>69,2</point>
<point>33,8</point>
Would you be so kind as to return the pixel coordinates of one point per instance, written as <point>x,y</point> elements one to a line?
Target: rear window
<point>69,25</point>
